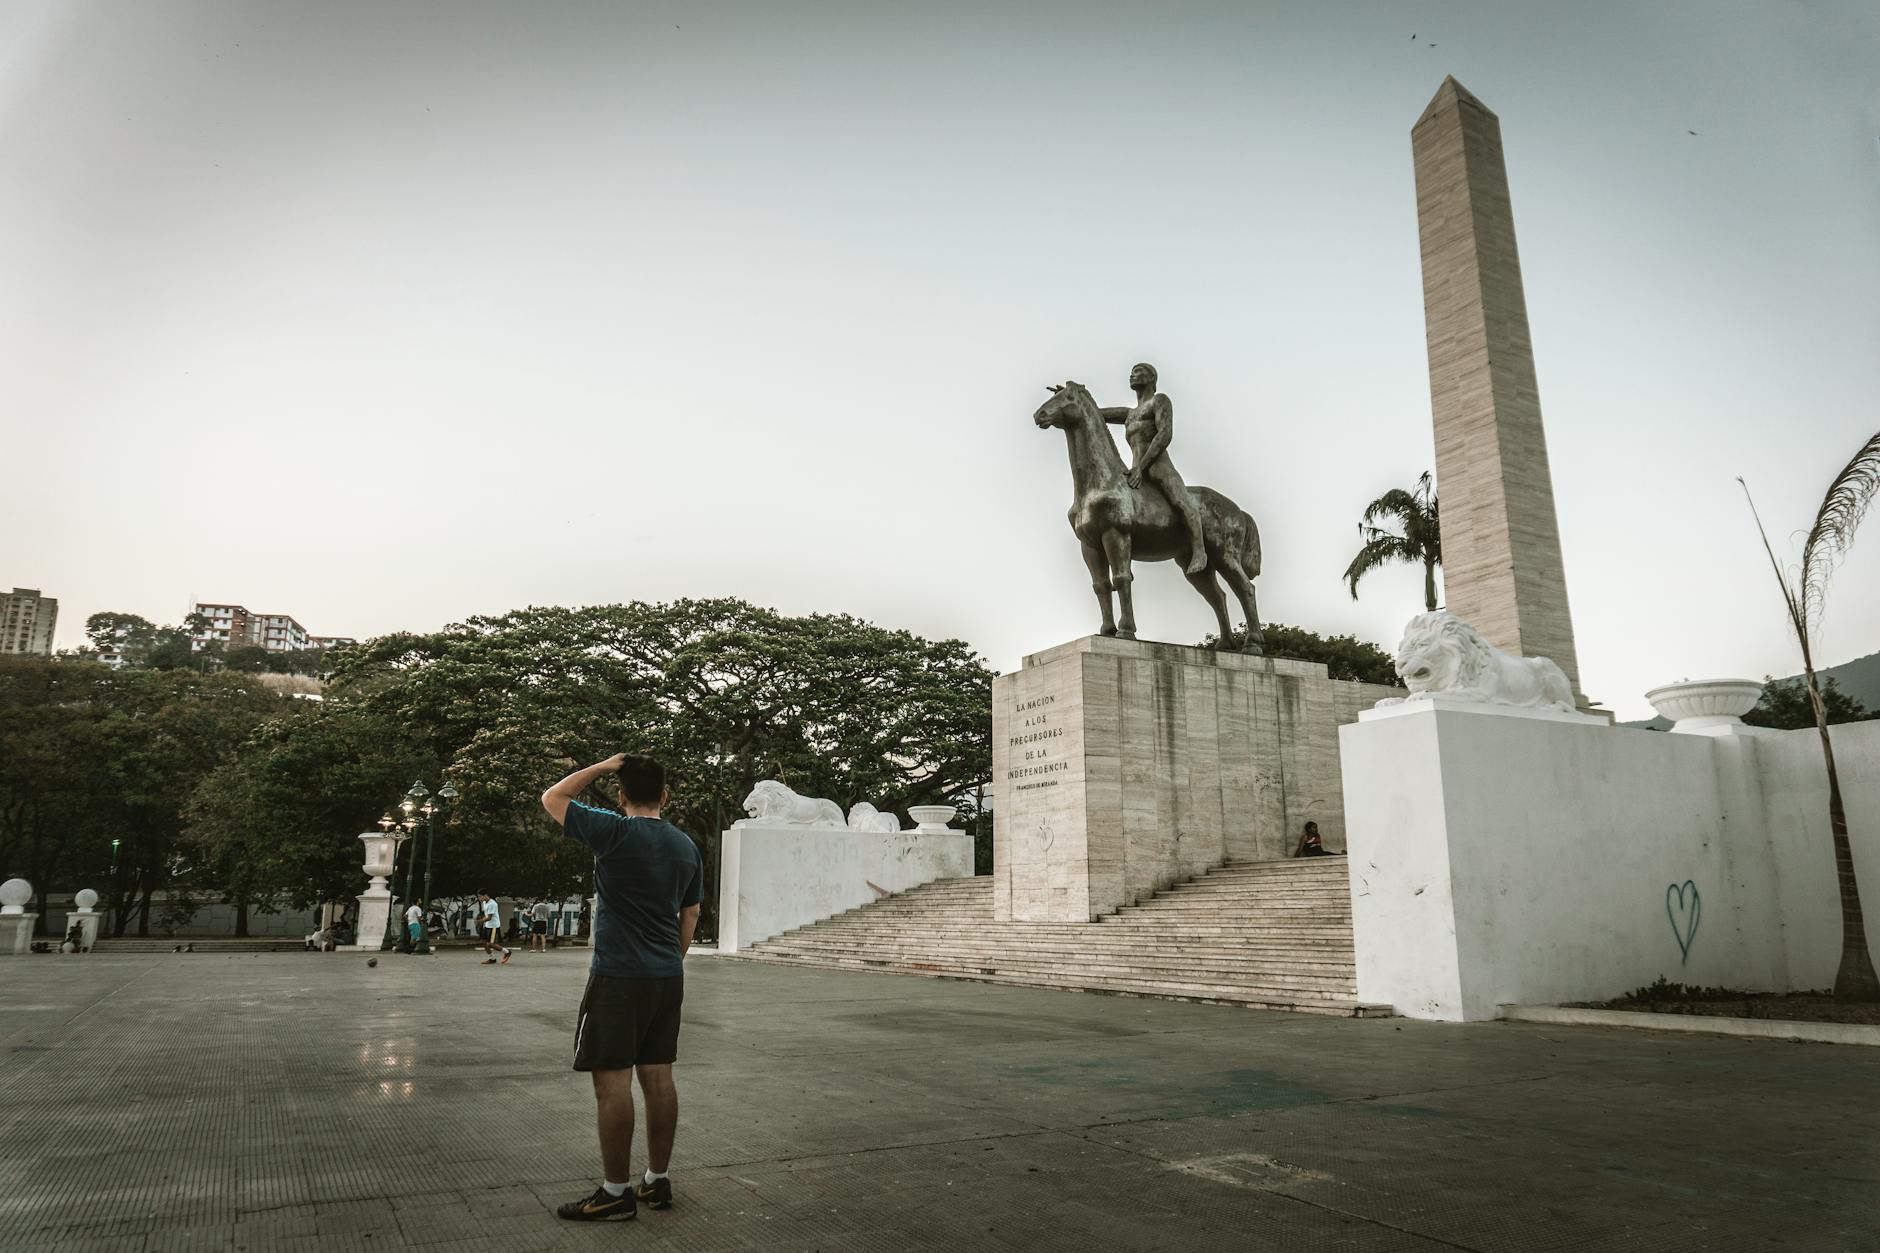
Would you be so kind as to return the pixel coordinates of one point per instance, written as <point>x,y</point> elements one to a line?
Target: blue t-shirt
<point>647,870</point>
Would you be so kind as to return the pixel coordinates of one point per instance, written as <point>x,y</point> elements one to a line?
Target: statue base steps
<point>1270,935</point>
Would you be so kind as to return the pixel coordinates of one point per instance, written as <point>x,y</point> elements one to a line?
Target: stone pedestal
<point>16,925</point>
<point>774,879</point>
<point>1123,766</point>
<point>16,934</point>
<point>375,911</point>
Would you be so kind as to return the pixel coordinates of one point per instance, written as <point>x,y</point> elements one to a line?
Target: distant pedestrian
<point>538,924</point>
<point>414,923</point>
<point>492,930</point>
<point>1310,845</point>
<point>649,878</point>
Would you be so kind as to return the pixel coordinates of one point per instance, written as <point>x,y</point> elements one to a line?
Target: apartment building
<point>232,626</point>
<point>26,622</point>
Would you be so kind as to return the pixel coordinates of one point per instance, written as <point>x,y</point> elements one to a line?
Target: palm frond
<point>1796,618</point>
<point>1396,503</point>
<point>1380,549</point>
<point>1841,511</point>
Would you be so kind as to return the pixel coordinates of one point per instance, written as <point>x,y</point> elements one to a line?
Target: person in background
<point>414,923</point>
<point>1310,845</point>
<point>539,914</point>
<point>492,927</point>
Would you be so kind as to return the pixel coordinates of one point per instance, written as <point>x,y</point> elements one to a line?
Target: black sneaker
<point>654,1195</point>
<point>602,1207</point>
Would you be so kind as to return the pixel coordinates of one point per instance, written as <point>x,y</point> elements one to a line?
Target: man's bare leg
<point>613,1114</point>
<point>662,1115</point>
<point>1164,476</point>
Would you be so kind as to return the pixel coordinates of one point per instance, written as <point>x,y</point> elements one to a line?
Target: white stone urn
<point>1706,706</point>
<point>932,818</point>
<point>381,855</point>
<point>15,895</point>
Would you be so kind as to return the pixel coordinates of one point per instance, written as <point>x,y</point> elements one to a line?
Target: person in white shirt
<point>414,923</point>
<point>492,930</point>
<point>538,924</point>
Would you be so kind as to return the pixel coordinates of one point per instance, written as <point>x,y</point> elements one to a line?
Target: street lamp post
<point>396,936</point>
<point>419,801</point>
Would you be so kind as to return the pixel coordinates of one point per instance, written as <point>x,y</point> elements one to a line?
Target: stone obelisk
<point>1502,570</point>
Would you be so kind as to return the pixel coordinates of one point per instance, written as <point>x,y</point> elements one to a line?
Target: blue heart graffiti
<point>1682,898</point>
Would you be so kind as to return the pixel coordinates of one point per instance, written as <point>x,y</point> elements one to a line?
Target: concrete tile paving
<point>307,1101</point>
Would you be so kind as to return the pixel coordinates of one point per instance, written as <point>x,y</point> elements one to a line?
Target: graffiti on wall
<point>1683,906</point>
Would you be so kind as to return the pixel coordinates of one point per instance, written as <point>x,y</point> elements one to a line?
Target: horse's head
<point>1063,405</point>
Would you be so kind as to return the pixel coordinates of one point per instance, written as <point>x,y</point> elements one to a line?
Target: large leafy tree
<point>279,825</point>
<point>724,692</point>
<point>143,644</point>
<point>1418,539</point>
<point>90,756</point>
<point>1344,656</point>
<point>1804,596</point>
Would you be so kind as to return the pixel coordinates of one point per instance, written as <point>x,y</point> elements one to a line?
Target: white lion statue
<point>771,804</point>
<point>1441,655</point>
<point>865,817</point>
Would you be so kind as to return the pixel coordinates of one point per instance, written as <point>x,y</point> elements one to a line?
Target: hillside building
<point>27,620</point>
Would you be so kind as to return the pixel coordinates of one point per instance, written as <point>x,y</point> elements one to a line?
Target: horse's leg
<point>1237,579</point>
<point>1210,589</point>
<point>1100,583</point>
<point>1116,547</point>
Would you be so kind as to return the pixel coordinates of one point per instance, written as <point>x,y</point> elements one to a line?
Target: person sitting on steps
<point>1310,845</point>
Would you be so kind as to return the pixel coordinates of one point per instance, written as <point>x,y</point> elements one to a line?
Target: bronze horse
<point>1118,524</point>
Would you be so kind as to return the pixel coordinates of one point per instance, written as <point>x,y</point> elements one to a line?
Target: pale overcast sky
<point>387,314</point>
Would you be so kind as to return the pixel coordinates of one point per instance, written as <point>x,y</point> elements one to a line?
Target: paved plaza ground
<point>306,1101</point>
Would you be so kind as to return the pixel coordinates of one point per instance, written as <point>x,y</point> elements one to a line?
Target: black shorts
<point>628,1022</point>
<point>538,927</point>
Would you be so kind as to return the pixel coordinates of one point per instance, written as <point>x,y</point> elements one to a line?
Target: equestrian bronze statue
<point>1146,512</point>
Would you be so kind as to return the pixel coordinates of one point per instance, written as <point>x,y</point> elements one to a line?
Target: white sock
<point>615,1189</point>
<point>651,1177</point>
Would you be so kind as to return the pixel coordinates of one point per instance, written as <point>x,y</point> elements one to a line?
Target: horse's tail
<point>1250,549</point>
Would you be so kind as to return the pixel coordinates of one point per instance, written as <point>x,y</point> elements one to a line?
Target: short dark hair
<point>642,780</point>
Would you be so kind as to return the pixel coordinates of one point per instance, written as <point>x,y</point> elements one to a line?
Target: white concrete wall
<point>1497,858</point>
<point>773,879</point>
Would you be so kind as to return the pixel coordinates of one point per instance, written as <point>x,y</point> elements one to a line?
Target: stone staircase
<point>1272,935</point>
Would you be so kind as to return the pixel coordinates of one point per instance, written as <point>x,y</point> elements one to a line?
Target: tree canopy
<point>1344,656</point>
<point>1785,705</point>
<point>725,693</point>
<point>89,755</point>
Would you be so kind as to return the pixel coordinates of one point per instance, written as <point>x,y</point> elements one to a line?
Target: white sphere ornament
<point>1705,704</point>
<point>14,894</point>
<point>86,899</point>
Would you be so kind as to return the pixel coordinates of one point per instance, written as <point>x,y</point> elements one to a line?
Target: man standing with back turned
<point>649,878</point>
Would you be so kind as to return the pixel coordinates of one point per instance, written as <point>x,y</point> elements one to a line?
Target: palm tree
<point>1805,596</point>
<point>1420,542</point>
